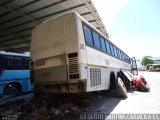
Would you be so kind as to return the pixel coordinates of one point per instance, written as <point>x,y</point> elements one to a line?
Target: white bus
<point>70,55</point>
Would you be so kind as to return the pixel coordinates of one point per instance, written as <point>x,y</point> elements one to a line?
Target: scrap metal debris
<point>49,107</point>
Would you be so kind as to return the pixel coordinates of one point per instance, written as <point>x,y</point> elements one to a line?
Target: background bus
<point>153,67</point>
<point>14,73</point>
<point>70,55</point>
<point>156,68</point>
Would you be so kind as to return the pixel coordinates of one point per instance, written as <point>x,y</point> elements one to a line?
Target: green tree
<point>146,60</point>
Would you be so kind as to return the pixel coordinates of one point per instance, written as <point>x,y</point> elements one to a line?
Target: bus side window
<point>128,59</point>
<point>123,56</point>
<point>96,40</point>
<point>103,44</point>
<point>115,51</point>
<point>25,64</point>
<point>88,35</point>
<point>1,64</point>
<point>107,46</point>
<point>111,46</point>
<point>8,62</point>
<point>118,53</point>
<point>17,64</point>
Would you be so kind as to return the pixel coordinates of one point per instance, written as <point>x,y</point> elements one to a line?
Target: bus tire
<point>121,89</point>
<point>144,86</point>
<point>12,89</point>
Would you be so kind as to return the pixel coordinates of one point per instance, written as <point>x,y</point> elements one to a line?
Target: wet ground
<point>95,106</point>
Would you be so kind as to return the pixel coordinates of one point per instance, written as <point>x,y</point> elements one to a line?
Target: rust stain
<point>45,74</point>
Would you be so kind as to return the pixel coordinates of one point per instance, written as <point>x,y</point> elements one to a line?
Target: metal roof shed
<point>19,17</point>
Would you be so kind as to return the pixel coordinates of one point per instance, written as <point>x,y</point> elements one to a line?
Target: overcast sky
<point>133,25</point>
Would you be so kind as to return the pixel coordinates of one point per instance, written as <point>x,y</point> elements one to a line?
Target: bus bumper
<point>77,87</point>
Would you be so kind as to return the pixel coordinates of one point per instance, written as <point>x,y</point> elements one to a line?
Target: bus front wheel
<point>12,89</point>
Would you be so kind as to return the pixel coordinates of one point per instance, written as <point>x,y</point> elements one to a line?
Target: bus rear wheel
<point>12,90</point>
<point>121,89</point>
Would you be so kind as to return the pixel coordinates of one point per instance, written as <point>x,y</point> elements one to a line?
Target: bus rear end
<point>55,57</point>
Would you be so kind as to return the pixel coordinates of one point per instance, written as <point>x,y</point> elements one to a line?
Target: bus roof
<point>86,22</point>
<point>27,54</point>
